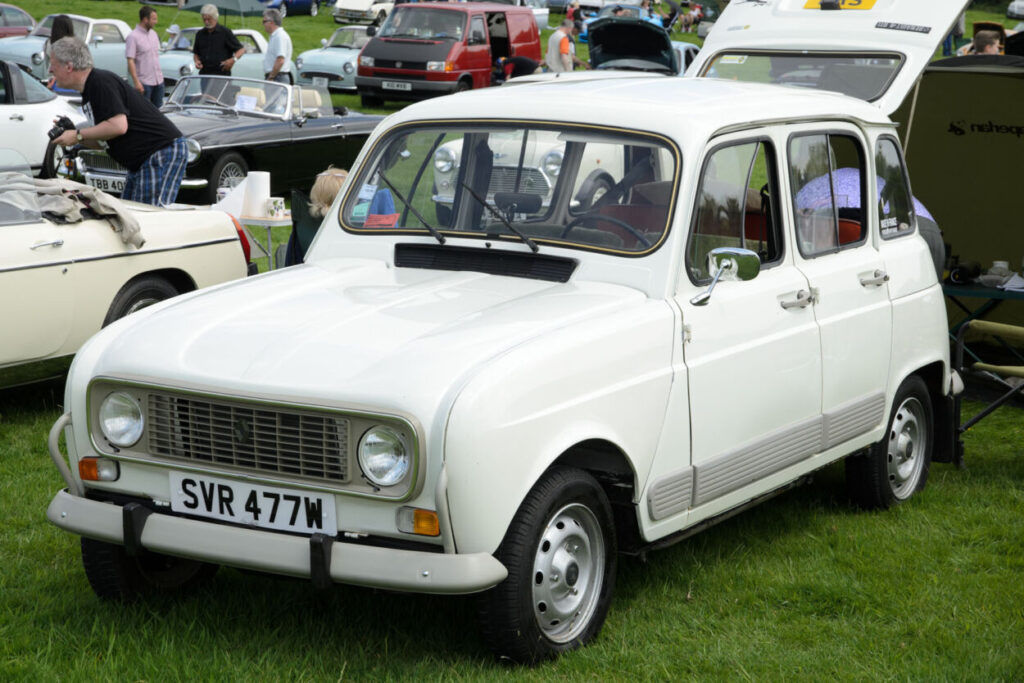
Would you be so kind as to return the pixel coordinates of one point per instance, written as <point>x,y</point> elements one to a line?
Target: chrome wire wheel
<point>568,572</point>
<point>907,444</point>
<point>230,175</point>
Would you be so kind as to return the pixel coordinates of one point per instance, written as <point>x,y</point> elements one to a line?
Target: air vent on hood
<point>492,261</point>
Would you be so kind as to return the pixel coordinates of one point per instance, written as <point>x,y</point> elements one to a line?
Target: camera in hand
<point>63,124</point>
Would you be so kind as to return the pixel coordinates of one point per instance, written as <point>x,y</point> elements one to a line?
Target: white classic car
<point>27,112</point>
<point>502,399</point>
<point>333,64</point>
<point>105,38</point>
<point>362,11</point>
<point>64,277</point>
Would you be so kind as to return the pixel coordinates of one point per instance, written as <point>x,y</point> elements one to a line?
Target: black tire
<point>115,576</point>
<point>593,188</point>
<point>51,158</point>
<point>137,294</point>
<point>228,171</point>
<point>895,468</point>
<point>371,101</point>
<point>463,86</point>
<point>560,554</point>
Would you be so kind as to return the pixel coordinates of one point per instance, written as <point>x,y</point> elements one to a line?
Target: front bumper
<point>335,80</point>
<point>347,16</point>
<point>404,570</point>
<point>419,90</point>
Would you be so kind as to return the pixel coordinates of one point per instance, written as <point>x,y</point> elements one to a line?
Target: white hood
<point>913,28</point>
<point>375,335</point>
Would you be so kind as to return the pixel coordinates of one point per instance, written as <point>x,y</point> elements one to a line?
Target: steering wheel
<point>587,217</point>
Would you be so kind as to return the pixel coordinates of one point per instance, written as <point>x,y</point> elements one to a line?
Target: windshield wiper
<point>497,214</point>
<point>433,231</point>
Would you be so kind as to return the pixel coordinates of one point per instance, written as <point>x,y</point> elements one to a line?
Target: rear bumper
<point>394,569</point>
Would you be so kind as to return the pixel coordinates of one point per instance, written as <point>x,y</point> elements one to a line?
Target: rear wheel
<point>137,294</point>
<point>561,559</point>
<point>114,575</point>
<point>896,468</point>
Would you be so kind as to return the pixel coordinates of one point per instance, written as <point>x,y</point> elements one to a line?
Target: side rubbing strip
<point>744,465</point>
<point>670,495</point>
<point>852,419</point>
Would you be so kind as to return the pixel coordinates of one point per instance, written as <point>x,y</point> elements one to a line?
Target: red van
<point>428,49</point>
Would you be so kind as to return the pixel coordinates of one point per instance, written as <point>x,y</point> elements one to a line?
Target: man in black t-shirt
<point>216,49</point>
<point>135,133</point>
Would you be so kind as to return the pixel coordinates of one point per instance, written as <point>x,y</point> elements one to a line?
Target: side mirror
<point>371,31</point>
<point>97,40</point>
<point>728,263</point>
<point>323,42</point>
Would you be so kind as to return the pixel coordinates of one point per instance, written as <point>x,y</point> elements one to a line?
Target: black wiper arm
<point>433,231</point>
<point>497,214</point>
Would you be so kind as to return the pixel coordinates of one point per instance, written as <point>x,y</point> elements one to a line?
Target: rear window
<point>865,76</point>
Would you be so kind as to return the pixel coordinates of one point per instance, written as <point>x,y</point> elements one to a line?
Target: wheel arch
<point>943,430</point>
<point>181,280</point>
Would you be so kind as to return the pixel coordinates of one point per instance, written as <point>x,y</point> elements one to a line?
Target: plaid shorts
<point>157,180</point>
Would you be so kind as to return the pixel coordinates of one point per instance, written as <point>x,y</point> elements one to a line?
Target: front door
<point>752,352</point>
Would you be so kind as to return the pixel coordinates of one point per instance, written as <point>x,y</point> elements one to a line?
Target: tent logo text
<point>961,127</point>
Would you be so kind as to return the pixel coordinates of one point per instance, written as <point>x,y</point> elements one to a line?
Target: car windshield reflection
<point>567,185</point>
<point>240,95</point>
<point>423,23</point>
<point>349,37</point>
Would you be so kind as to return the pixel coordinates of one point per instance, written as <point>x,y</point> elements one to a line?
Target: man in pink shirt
<point>143,52</point>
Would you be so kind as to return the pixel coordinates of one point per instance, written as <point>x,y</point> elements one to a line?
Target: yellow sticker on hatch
<point>843,4</point>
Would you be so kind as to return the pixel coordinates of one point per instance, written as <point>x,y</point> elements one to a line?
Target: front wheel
<point>228,171</point>
<point>51,160</point>
<point>560,553</point>
<point>896,468</point>
<point>114,575</point>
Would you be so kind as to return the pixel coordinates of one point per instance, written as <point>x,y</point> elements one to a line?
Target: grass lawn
<point>802,587</point>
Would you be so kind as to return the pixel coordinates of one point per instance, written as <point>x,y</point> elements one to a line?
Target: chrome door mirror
<point>728,263</point>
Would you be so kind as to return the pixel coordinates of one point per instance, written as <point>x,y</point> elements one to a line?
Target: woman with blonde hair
<point>307,212</point>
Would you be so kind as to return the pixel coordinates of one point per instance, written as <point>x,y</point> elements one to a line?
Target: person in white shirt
<point>277,61</point>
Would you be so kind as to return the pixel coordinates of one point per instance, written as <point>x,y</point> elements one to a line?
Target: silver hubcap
<point>139,304</point>
<point>230,175</point>
<point>908,436</point>
<point>568,572</point>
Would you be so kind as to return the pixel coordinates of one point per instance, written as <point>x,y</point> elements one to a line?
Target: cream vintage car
<point>63,280</point>
<point>504,402</point>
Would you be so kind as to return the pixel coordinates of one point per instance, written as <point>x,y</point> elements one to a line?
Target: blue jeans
<point>158,179</point>
<point>154,93</point>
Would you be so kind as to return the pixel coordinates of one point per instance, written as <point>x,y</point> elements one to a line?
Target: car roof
<point>681,108</point>
<point>464,6</point>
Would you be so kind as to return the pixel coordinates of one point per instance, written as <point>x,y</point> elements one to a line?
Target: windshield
<point>180,41</point>
<point>423,23</point>
<point>863,75</point>
<point>559,184</point>
<point>349,36</point>
<point>34,90</point>
<point>19,202</point>
<point>236,94</point>
<point>43,29</point>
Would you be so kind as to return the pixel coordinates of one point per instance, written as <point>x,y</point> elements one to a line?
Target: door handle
<point>803,299</point>
<point>336,126</point>
<point>17,117</point>
<point>51,243</point>
<point>875,279</point>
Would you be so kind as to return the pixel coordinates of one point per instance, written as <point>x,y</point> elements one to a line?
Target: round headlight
<point>194,149</point>
<point>185,70</point>
<point>348,67</point>
<point>121,419</point>
<point>444,159</point>
<point>298,62</point>
<point>37,58</point>
<point>552,163</point>
<point>384,456</point>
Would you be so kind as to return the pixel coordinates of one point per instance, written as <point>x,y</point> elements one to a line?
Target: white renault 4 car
<point>499,393</point>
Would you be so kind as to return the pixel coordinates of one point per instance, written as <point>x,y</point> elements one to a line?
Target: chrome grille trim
<point>270,440</point>
<point>99,161</point>
<point>531,181</point>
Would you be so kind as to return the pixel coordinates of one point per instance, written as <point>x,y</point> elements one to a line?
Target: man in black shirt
<point>135,133</point>
<point>216,49</point>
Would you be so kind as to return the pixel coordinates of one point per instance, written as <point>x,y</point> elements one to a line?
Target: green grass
<point>802,587</point>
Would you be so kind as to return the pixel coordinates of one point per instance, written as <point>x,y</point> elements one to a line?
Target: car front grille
<point>531,181</point>
<point>98,161</point>
<point>320,74</point>
<point>394,64</point>
<point>266,439</point>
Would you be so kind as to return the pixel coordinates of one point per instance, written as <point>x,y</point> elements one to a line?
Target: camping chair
<point>304,227</point>
<point>1008,336</point>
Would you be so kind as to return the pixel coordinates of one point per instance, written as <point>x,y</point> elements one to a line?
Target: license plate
<point>105,183</point>
<point>319,81</point>
<point>240,502</point>
<point>396,85</point>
